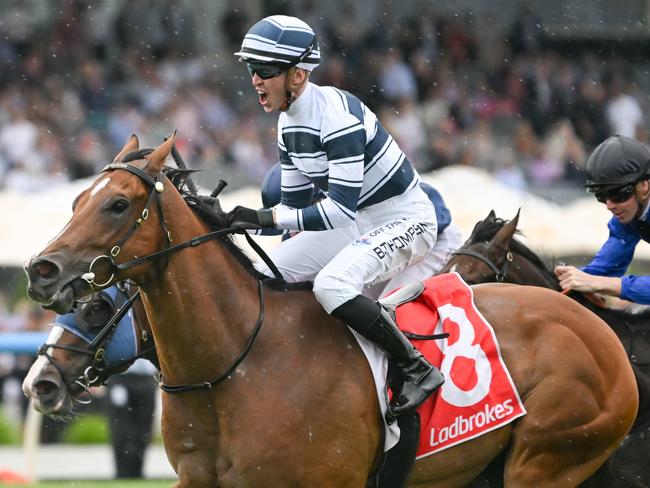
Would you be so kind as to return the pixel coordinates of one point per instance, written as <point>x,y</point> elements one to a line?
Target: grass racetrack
<point>96,484</point>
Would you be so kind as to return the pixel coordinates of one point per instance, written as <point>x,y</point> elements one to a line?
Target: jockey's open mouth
<point>262,97</point>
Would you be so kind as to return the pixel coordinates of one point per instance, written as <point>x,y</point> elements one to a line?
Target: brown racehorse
<point>300,408</point>
<point>493,253</point>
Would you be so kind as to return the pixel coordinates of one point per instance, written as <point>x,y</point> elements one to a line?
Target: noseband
<point>499,273</point>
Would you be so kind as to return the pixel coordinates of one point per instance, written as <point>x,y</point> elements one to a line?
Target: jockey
<point>374,220</point>
<point>448,240</point>
<point>617,173</point>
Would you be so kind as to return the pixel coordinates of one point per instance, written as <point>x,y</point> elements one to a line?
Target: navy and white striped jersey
<point>328,139</point>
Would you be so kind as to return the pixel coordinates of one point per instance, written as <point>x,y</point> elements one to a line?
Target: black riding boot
<point>370,320</point>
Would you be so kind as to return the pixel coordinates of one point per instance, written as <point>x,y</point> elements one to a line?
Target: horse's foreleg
<point>196,471</point>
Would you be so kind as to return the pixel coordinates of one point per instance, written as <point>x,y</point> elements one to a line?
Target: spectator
<point>407,127</point>
<point>396,78</point>
<point>130,410</point>
<point>233,25</point>
<point>527,32</point>
<point>95,94</point>
<point>623,111</point>
<point>96,73</point>
<point>18,137</point>
<point>509,172</point>
<point>588,115</point>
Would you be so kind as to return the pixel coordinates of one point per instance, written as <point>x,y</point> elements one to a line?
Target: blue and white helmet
<point>281,40</point>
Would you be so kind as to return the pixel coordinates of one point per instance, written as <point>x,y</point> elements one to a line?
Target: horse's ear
<point>481,224</point>
<point>157,158</point>
<point>502,238</point>
<point>133,144</point>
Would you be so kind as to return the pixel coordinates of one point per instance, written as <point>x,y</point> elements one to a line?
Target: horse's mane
<point>486,229</point>
<point>209,210</point>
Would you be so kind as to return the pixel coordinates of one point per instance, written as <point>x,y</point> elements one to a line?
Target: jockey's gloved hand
<point>248,218</point>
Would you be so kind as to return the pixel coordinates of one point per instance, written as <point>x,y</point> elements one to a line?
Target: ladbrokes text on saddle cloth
<point>478,395</point>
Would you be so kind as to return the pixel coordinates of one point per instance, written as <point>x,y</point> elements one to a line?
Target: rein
<point>197,241</point>
<point>207,385</point>
<point>500,273</point>
<point>156,191</point>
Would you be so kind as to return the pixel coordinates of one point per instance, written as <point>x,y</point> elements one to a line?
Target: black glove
<point>247,218</point>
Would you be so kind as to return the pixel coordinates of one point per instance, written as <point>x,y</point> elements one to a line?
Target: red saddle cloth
<point>478,395</point>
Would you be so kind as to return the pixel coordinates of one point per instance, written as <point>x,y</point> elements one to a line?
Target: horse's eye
<point>97,315</point>
<point>119,206</point>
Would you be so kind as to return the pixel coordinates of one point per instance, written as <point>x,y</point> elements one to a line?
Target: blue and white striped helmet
<point>281,40</point>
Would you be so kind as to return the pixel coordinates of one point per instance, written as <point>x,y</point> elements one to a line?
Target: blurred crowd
<point>78,77</point>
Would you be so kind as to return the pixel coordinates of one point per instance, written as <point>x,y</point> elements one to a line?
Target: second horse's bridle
<point>499,273</point>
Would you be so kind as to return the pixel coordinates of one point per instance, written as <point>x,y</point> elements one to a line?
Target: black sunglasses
<point>264,71</point>
<point>618,195</point>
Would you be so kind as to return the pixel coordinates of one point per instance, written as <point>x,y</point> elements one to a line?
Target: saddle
<point>405,294</point>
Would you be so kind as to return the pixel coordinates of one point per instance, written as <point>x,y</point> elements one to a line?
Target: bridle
<point>545,277</point>
<point>499,273</point>
<point>157,187</point>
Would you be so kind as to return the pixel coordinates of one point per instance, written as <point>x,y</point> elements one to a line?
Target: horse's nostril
<point>45,269</point>
<point>46,389</point>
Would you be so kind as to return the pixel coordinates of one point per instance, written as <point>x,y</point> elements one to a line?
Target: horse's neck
<point>202,305</point>
<point>525,272</point>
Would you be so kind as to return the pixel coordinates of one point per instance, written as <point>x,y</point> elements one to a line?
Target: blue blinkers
<point>90,317</point>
